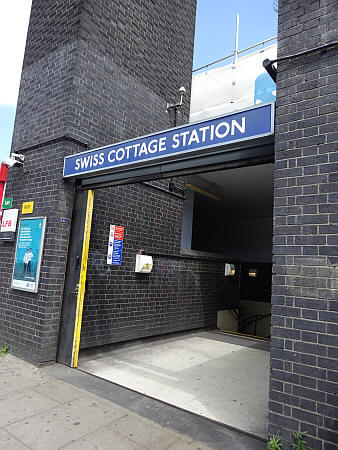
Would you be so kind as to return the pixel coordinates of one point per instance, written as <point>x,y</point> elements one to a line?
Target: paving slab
<point>8,442</point>
<point>59,391</point>
<point>16,406</point>
<point>15,376</point>
<point>103,439</point>
<point>188,444</point>
<point>64,424</point>
<point>144,432</point>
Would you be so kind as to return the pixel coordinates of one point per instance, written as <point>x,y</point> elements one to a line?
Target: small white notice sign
<point>9,220</point>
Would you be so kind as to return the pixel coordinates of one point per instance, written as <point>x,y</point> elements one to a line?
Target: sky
<point>214,39</point>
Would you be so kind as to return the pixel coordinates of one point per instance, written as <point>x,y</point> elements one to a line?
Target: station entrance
<point>195,218</point>
<point>232,219</point>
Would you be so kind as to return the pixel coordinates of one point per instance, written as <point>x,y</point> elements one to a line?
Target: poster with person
<point>28,254</point>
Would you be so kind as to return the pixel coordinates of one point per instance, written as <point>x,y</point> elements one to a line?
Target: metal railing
<point>243,324</point>
<point>234,54</point>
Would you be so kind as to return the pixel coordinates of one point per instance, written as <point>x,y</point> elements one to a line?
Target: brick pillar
<point>305,281</point>
<point>94,73</point>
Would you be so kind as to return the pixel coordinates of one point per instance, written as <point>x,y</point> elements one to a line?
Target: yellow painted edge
<point>82,280</point>
<point>245,335</point>
<point>204,192</point>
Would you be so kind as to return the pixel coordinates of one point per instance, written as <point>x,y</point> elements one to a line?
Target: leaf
<point>4,350</point>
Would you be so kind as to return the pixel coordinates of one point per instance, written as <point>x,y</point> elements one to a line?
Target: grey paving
<point>145,432</point>
<point>218,376</point>
<point>55,407</point>
<point>8,442</point>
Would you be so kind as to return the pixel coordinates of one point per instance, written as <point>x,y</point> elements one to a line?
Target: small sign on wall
<point>114,256</point>
<point>27,207</point>
<point>9,219</point>
<point>7,203</point>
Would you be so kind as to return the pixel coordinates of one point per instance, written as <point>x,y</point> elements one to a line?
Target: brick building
<point>94,74</point>
<point>304,313</point>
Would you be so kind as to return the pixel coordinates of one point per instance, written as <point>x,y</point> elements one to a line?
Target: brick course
<point>304,299</point>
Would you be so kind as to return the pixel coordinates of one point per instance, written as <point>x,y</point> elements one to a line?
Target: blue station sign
<point>180,141</point>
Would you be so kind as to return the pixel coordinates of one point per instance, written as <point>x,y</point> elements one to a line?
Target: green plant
<point>274,444</point>
<point>300,444</point>
<point>4,350</point>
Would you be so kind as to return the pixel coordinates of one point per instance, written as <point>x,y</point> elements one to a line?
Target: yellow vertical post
<point>82,279</point>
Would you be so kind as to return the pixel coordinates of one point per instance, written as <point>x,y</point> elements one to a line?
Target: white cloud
<point>14,18</point>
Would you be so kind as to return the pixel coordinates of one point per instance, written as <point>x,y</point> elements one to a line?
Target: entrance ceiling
<point>245,192</point>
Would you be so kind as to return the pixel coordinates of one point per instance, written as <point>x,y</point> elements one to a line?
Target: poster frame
<point>42,241</point>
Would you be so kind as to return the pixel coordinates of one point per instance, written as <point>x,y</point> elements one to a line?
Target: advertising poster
<point>114,256</point>
<point>28,254</point>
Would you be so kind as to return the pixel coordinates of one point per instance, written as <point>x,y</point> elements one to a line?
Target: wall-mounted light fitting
<point>144,264</point>
<point>229,270</point>
<point>253,273</point>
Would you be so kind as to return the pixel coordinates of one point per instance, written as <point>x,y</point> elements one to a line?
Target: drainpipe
<point>236,43</point>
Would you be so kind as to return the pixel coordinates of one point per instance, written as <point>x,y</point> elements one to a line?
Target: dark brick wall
<point>29,322</point>
<point>103,72</point>
<point>99,72</point>
<point>53,25</point>
<point>303,385</point>
<point>181,293</point>
<point>138,54</point>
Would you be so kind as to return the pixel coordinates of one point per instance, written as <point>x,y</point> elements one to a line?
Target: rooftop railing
<point>234,54</point>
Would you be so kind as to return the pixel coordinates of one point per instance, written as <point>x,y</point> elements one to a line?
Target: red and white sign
<point>3,179</point>
<point>9,220</point>
<point>114,256</point>
<point>118,232</point>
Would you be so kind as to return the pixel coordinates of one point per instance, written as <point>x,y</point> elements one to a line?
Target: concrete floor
<point>216,375</point>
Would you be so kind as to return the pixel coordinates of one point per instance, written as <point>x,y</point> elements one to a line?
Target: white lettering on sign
<point>123,153</point>
<point>218,131</point>
<point>183,139</point>
<point>89,161</point>
<point>202,134</point>
<point>235,124</point>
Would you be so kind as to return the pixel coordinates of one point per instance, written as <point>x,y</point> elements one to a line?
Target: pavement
<point>55,407</point>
